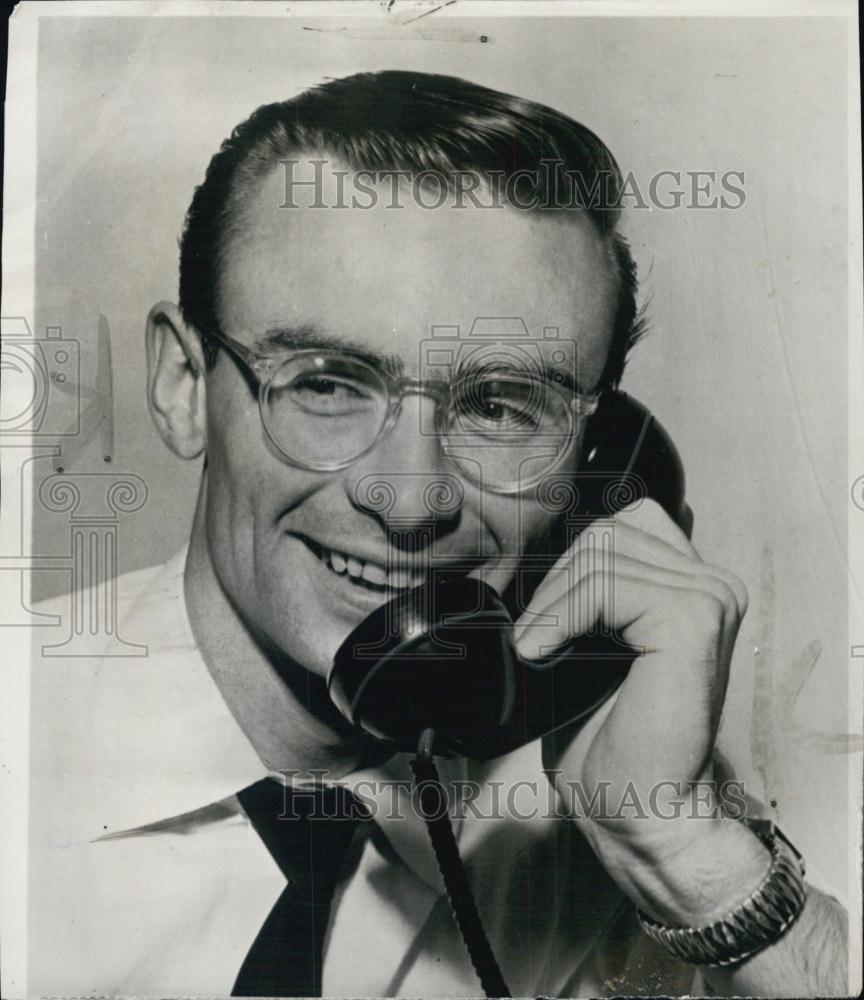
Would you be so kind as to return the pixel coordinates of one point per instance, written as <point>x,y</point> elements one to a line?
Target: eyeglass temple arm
<point>256,365</point>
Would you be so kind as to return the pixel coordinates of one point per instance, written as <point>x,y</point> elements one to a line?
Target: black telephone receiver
<point>440,659</point>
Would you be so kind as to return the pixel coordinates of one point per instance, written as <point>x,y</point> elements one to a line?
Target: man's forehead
<point>391,276</point>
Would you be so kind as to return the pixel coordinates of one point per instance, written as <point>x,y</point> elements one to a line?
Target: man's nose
<point>404,482</point>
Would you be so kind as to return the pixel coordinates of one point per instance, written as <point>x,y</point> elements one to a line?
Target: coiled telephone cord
<point>431,795</point>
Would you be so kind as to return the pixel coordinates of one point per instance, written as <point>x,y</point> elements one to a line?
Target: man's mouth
<point>368,575</point>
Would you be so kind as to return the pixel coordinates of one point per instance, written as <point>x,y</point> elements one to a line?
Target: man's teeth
<point>337,562</point>
<point>370,572</point>
<point>375,574</point>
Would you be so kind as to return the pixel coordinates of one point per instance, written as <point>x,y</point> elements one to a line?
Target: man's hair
<point>414,122</point>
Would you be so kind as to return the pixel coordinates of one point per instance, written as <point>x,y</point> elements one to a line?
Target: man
<point>313,270</point>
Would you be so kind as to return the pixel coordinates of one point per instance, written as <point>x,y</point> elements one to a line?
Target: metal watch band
<point>758,922</point>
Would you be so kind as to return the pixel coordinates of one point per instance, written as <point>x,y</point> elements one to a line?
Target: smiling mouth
<point>369,576</point>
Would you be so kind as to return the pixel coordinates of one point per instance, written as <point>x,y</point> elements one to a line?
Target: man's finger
<point>617,600</point>
<point>598,546</point>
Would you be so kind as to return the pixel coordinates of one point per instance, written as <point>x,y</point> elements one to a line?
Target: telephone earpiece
<point>627,448</point>
<point>440,657</point>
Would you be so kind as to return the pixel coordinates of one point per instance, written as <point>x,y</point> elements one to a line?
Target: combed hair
<point>413,122</point>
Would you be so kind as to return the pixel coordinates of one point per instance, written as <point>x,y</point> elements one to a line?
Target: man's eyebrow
<point>307,336</point>
<point>564,377</point>
<point>549,372</point>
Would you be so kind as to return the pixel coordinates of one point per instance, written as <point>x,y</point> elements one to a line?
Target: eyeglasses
<point>322,410</point>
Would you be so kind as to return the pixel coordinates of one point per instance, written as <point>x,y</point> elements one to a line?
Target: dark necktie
<point>309,843</point>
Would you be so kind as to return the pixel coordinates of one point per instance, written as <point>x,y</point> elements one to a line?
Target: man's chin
<point>317,657</point>
<point>309,645</point>
<point>309,635</point>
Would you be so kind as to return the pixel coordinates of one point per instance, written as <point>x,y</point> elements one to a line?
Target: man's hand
<point>656,736</point>
<point>674,855</point>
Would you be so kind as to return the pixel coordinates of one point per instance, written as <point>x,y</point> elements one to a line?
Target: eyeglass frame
<point>264,368</point>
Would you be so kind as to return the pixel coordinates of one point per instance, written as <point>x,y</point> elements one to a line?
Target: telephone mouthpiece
<point>441,657</point>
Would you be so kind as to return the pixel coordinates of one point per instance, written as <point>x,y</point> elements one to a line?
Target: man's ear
<point>175,381</point>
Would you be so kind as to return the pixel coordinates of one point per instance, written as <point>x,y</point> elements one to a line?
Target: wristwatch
<point>758,922</point>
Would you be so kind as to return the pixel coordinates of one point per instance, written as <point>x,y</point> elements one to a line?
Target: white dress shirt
<point>147,879</point>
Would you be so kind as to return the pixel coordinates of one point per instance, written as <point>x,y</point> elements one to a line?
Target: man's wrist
<point>687,871</point>
<point>757,923</point>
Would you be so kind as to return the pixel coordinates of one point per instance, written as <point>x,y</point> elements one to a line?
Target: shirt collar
<point>180,753</point>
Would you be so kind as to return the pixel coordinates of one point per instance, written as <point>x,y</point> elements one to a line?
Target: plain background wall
<point>746,361</point>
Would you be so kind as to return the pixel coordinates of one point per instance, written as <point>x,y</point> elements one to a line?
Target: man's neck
<point>286,735</point>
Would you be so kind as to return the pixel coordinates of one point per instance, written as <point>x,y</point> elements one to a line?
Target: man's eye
<point>505,412</point>
<point>499,404</point>
<point>496,414</point>
<point>323,385</point>
<point>324,394</point>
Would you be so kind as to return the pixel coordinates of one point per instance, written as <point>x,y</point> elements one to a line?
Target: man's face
<point>300,552</point>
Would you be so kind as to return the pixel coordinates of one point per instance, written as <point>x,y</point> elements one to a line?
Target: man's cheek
<point>520,526</point>
<point>232,528</point>
<point>528,527</point>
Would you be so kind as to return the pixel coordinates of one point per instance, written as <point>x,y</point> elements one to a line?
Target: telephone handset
<point>439,659</point>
